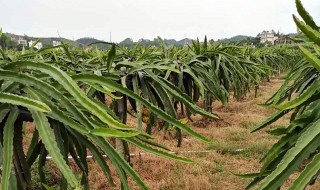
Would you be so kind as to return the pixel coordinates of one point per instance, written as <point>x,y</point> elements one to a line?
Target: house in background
<point>56,43</point>
<point>20,40</point>
<point>283,40</point>
<point>37,46</point>
<point>286,40</point>
<point>268,36</point>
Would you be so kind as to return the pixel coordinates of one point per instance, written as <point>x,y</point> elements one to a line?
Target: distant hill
<point>128,42</point>
<point>49,41</point>
<point>237,38</point>
<point>170,42</point>
<point>88,40</point>
<point>294,35</point>
<point>46,41</point>
<point>184,41</point>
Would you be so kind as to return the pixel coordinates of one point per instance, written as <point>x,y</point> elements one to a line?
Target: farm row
<point>79,101</point>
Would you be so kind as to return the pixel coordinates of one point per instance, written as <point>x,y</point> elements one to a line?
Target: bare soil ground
<point>236,150</point>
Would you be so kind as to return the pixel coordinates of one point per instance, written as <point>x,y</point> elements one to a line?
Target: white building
<point>20,40</point>
<point>267,36</point>
<point>56,43</point>
<point>37,46</point>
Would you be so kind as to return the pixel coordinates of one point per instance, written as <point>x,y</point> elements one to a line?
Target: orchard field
<point>203,116</point>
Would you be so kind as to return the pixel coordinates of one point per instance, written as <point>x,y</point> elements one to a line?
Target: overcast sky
<point>149,18</point>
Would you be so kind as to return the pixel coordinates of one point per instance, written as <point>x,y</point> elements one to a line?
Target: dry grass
<point>212,170</point>
<point>215,170</point>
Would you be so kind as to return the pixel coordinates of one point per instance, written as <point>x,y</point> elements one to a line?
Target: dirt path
<point>213,169</point>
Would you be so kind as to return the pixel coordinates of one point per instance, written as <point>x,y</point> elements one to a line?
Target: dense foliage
<point>63,91</point>
<point>6,42</point>
<point>298,147</point>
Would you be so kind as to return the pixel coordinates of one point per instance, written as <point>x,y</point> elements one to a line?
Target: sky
<point>170,19</point>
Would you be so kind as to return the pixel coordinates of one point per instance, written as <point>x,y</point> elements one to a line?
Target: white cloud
<point>148,19</point>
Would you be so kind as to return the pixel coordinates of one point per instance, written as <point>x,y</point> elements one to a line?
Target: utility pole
<point>110,37</point>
